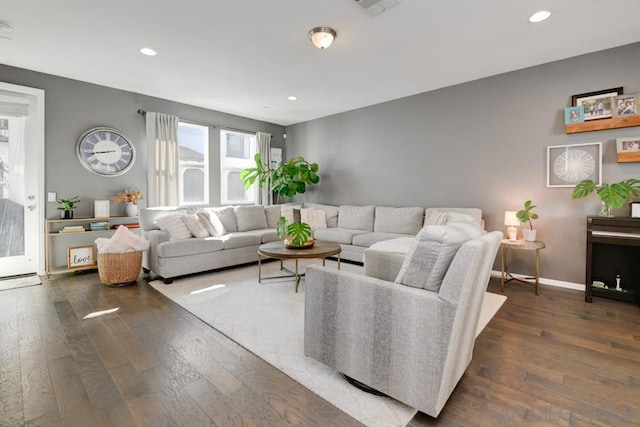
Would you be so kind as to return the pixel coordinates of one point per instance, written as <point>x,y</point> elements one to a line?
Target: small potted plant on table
<point>130,199</point>
<point>526,215</point>
<point>67,206</point>
<point>295,234</point>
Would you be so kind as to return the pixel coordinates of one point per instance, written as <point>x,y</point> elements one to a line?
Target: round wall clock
<point>105,151</point>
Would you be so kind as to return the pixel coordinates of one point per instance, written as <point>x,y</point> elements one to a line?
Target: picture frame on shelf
<point>628,149</point>
<point>573,115</point>
<point>567,165</point>
<point>101,209</point>
<point>635,209</point>
<point>81,256</point>
<point>596,105</point>
<point>625,105</point>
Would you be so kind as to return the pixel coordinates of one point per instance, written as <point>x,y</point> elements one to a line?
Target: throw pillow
<point>457,216</point>
<point>227,216</point>
<point>431,254</point>
<point>250,218</point>
<point>174,225</point>
<point>272,213</point>
<point>212,223</point>
<point>287,211</point>
<point>435,217</point>
<point>316,218</point>
<point>195,226</point>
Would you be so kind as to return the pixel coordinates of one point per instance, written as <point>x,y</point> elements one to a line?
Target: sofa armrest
<point>150,257</point>
<point>382,265</point>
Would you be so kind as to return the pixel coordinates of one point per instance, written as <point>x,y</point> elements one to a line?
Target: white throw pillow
<point>212,223</point>
<point>195,226</point>
<point>227,216</point>
<point>250,218</point>
<point>174,225</point>
<point>435,217</point>
<point>316,218</point>
<point>457,216</point>
<point>287,212</point>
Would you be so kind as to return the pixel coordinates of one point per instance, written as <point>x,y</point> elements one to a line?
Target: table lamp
<point>512,221</point>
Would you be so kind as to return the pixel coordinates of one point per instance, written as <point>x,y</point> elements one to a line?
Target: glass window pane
<point>235,189</point>
<point>237,146</point>
<point>193,146</point>
<point>193,184</point>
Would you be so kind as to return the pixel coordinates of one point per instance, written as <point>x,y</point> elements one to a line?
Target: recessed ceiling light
<point>540,16</point>
<point>292,98</point>
<point>148,51</point>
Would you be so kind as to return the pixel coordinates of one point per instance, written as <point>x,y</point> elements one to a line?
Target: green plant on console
<point>298,233</point>
<point>286,180</point>
<point>68,204</point>
<point>612,196</point>
<point>526,214</point>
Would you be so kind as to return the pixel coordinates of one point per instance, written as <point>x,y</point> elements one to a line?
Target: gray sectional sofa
<point>355,228</point>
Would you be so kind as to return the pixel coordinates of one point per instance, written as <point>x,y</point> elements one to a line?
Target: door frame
<point>36,112</point>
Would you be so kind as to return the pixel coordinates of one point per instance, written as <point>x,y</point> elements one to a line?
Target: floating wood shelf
<point>604,124</point>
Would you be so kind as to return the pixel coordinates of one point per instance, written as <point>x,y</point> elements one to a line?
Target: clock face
<point>105,151</point>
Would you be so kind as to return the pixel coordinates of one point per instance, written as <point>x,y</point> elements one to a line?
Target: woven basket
<point>119,269</point>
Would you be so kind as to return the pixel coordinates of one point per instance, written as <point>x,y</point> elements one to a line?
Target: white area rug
<point>268,320</point>
<point>19,282</point>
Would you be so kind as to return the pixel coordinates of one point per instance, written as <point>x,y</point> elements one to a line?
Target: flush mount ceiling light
<point>322,37</point>
<point>148,51</point>
<point>539,16</point>
<point>292,98</point>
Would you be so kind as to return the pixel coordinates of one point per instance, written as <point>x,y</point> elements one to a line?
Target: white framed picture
<point>567,165</point>
<point>81,256</point>
<point>101,209</point>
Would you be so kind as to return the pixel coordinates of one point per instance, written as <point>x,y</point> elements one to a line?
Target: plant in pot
<point>67,206</point>
<point>525,216</point>
<point>612,196</point>
<point>130,199</point>
<point>286,180</point>
<point>295,234</point>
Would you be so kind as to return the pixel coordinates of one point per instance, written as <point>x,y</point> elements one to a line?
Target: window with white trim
<point>193,145</point>
<point>237,150</point>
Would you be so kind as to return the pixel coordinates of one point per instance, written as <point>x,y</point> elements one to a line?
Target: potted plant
<point>286,180</point>
<point>295,234</point>
<point>130,198</point>
<point>612,196</point>
<point>67,206</point>
<point>526,215</point>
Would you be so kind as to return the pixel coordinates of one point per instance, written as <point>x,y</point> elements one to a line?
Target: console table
<point>613,250</point>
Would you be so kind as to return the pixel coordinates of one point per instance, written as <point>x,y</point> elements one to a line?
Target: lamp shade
<point>511,219</point>
<point>322,37</point>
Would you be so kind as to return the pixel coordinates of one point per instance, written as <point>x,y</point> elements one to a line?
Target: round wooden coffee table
<point>279,251</point>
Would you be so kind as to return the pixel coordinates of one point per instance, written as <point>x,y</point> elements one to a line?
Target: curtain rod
<point>144,113</point>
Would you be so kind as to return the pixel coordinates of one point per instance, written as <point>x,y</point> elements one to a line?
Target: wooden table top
<point>522,244</point>
<point>278,250</point>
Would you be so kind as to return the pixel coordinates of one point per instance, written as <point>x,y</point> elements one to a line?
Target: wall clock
<point>105,151</point>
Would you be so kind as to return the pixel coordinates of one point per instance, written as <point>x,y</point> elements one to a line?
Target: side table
<point>507,244</point>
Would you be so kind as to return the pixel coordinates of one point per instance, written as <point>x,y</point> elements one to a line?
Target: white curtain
<point>263,142</point>
<point>17,159</point>
<point>163,165</point>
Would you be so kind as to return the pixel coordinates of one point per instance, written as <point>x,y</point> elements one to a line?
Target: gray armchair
<point>404,341</point>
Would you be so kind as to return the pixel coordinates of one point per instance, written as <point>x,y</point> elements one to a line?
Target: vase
<point>66,214</point>
<point>306,245</point>
<point>529,235</point>
<point>131,209</point>
<point>606,211</point>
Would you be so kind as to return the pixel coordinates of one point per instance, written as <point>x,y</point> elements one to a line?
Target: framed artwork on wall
<point>628,149</point>
<point>596,105</point>
<point>625,105</point>
<point>567,165</point>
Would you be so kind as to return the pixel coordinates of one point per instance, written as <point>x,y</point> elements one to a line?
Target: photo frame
<point>635,209</point>
<point>567,165</point>
<point>276,157</point>
<point>101,209</point>
<point>625,105</point>
<point>573,115</point>
<point>596,105</point>
<point>628,149</point>
<point>81,256</point>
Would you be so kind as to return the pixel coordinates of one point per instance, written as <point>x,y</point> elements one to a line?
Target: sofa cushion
<point>186,247</point>
<point>212,223</point>
<point>172,223</point>
<point>398,220</point>
<point>431,253</point>
<point>250,218</point>
<point>227,216</point>
<point>240,240</point>
<point>266,235</point>
<point>435,217</point>
<point>330,212</point>
<point>368,239</point>
<point>195,226</point>
<point>316,218</point>
<point>475,213</point>
<point>273,214</point>
<point>399,245</point>
<point>458,216</point>
<point>337,235</point>
<point>356,217</point>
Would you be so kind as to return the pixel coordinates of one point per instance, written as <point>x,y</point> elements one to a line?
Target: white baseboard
<point>550,282</point>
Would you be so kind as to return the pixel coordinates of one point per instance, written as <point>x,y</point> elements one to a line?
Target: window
<point>237,150</point>
<point>193,144</point>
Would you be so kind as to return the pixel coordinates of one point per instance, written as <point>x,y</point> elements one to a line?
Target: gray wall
<point>72,107</point>
<point>480,144</point>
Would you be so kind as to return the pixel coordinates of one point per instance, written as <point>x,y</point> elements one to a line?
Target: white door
<point>21,179</point>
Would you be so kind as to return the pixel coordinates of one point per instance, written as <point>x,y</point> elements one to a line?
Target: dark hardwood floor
<point>549,360</point>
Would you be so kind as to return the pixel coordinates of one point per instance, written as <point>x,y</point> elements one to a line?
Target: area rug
<point>19,282</point>
<point>268,320</point>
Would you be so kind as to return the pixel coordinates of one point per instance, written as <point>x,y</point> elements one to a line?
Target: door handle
<point>31,207</point>
<point>31,197</point>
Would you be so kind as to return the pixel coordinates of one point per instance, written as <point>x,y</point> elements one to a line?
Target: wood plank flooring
<point>551,360</point>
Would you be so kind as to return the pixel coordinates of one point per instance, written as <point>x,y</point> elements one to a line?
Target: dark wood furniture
<point>613,249</point>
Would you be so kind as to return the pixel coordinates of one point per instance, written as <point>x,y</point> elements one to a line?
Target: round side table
<point>505,276</point>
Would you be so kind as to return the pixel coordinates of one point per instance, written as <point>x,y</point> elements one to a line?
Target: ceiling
<point>246,57</point>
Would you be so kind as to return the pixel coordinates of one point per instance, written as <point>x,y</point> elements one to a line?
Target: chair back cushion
<point>431,253</point>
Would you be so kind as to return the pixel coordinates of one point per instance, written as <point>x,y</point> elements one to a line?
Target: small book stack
<point>72,229</point>
<point>99,225</point>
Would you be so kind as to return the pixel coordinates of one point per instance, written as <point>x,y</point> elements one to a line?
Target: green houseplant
<point>295,234</point>
<point>612,196</point>
<point>286,180</point>
<point>526,215</point>
<point>67,206</point>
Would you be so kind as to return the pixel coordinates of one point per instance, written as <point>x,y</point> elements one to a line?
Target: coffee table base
<point>295,274</point>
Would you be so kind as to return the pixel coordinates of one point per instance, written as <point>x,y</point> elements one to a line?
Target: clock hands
<point>103,152</point>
